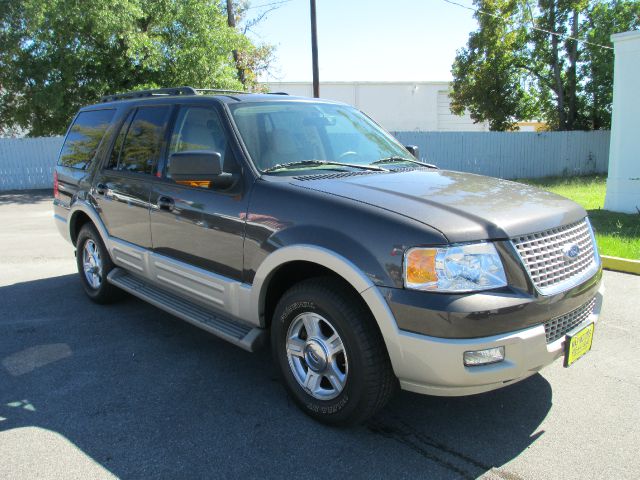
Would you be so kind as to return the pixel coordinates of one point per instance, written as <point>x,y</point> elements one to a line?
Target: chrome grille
<point>543,256</point>
<point>559,326</point>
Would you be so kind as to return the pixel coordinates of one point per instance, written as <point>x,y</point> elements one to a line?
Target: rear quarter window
<point>84,137</point>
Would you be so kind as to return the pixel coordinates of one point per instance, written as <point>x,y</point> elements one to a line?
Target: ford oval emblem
<point>571,252</point>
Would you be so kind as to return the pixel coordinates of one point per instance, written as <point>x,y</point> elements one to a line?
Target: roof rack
<point>150,93</point>
<point>222,90</point>
<point>218,90</point>
<point>159,92</point>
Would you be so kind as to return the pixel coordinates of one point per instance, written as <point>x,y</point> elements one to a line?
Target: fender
<point>85,207</point>
<point>341,266</point>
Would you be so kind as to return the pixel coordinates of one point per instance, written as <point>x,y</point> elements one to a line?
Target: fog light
<point>483,357</point>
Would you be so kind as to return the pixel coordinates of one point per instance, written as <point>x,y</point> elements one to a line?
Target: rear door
<point>122,187</point>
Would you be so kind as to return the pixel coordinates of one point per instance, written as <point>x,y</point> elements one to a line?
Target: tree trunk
<point>231,21</point>
<point>555,64</point>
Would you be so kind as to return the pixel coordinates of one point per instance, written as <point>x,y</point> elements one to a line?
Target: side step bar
<point>241,335</point>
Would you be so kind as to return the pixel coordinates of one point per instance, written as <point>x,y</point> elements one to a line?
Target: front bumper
<point>434,366</point>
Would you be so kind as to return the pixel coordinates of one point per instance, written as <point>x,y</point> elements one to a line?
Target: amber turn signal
<point>195,183</point>
<point>420,266</point>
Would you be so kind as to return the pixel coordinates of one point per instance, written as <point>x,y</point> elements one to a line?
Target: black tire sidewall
<point>341,409</point>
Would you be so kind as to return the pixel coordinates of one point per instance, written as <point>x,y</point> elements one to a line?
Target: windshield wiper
<point>397,159</point>
<point>302,163</point>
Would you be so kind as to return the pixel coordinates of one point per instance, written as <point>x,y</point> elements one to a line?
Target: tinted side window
<point>117,146</point>
<point>84,138</point>
<point>143,141</point>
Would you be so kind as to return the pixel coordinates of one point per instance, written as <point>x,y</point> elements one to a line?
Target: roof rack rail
<point>217,90</point>
<point>159,92</point>
<point>150,93</point>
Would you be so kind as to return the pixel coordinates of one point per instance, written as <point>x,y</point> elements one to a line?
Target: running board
<point>248,338</point>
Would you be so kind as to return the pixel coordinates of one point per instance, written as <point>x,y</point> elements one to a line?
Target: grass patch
<point>617,234</point>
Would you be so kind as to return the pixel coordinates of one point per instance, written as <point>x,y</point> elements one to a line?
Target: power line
<point>561,35</point>
<point>272,4</point>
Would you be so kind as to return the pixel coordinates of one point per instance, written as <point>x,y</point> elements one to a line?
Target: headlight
<point>458,268</point>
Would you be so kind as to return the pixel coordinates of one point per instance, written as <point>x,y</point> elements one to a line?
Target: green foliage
<point>617,234</point>
<point>487,73</point>
<point>603,20</point>
<point>60,54</point>
<point>257,57</point>
<point>510,71</point>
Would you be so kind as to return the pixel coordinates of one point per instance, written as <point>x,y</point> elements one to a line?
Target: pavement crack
<point>428,448</point>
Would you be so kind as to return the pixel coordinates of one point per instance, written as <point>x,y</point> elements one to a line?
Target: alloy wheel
<point>317,356</point>
<point>92,264</point>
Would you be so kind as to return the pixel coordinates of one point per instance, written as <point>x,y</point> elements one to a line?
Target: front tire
<point>330,353</point>
<point>94,264</point>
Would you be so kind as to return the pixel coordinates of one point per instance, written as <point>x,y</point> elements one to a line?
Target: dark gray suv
<point>301,220</point>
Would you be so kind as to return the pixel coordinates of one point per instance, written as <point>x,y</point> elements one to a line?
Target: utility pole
<point>314,51</point>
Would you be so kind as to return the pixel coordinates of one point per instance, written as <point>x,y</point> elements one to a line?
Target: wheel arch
<point>76,222</point>
<point>82,213</point>
<point>322,260</point>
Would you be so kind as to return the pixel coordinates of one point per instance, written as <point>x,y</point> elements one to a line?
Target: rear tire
<point>94,264</point>
<point>330,353</point>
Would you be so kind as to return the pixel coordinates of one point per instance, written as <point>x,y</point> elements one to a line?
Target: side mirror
<point>195,165</point>
<point>413,150</point>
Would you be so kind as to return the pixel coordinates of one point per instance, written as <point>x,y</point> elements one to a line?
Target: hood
<point>463,206</point>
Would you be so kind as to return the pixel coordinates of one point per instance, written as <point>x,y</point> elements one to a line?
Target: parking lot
<point>126,390</point>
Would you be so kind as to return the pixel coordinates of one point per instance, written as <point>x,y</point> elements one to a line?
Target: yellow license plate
<point>578,344</point>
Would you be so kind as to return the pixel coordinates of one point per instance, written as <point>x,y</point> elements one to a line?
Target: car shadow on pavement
<point>146,395</point>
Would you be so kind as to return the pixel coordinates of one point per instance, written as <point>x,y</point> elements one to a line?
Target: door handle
<point>166,203</point>
<point>101,188</point>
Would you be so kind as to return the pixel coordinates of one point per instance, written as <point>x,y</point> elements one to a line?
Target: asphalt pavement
<point>128,391</point>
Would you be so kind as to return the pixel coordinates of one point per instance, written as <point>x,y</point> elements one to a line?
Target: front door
<point>198,225</point>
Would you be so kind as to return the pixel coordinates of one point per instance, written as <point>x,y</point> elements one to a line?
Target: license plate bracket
<point>577,344</point>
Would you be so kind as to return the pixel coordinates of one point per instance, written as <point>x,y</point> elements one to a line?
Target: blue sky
<point>399,40</point>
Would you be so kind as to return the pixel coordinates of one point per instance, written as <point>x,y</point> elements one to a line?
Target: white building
<point>397,106</point>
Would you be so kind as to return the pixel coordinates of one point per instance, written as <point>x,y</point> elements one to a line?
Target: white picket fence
<point>27,163</point>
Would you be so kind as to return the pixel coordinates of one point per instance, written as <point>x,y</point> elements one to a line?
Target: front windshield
<point>286,132</point>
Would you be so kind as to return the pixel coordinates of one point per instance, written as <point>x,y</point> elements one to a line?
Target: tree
<point>58,55</point>
<point>257,58</point>
<point>597,69</point>
<point>523,62</point>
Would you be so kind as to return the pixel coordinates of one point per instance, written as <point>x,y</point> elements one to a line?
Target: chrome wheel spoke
<point>336,377</point>
<point>295,346</point>
<point>312,381</point>
<point>311,325</point>
<point>335,345</point>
